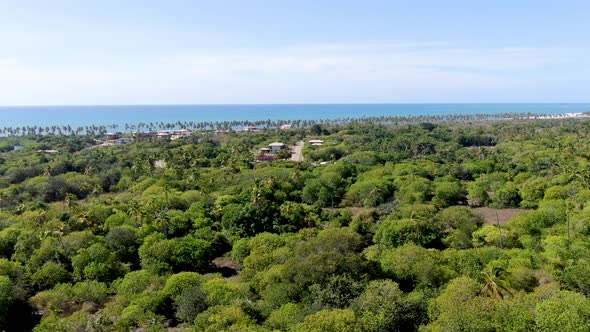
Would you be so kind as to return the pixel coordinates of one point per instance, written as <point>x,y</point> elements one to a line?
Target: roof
<point>144,133</point>
<point>276,144</point>
<point>315,141</point>
<point>266,157</point>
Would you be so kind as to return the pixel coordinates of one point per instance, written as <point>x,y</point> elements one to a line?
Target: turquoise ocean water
<point>107,115</point>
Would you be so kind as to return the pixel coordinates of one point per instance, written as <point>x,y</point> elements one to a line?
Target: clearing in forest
<point>492,215</point>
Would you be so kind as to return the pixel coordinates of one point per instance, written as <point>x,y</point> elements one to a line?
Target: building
<point>316,142</point>
<point>285,127</point>
<point>167,134</point>
<point>276,146</point>
<point>182,133</point>
<point>123,140</point>
<point>111,135</point>
<point>106,144</point>
<point>251,128</point>
<point>144,134</point>
<point>266,157</point>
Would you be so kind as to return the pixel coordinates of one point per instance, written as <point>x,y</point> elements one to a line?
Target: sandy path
<point>297,148</point>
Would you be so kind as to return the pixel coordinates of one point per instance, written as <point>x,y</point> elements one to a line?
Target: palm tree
<point>70,201</point>
<point>162,220</point>
<point>85,221</point>
<point>138,210</point>
<point>496,285</point>
<point>3,198</point>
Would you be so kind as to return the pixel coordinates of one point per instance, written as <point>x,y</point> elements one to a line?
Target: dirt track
<point>297,151</point>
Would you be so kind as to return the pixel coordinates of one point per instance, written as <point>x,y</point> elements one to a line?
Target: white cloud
<point>8,62</point>
<point>371,72</point>
<point>365,55</point>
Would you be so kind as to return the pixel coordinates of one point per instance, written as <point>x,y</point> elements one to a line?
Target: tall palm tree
<point>3,198</point>
<point>70,201</point>
<point>496,284</point>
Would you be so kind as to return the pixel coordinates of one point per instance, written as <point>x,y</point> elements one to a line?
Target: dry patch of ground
<point>224,265</point>
<point>492,215</point>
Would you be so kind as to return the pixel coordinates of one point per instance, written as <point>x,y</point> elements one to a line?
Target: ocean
<point>12,116</point>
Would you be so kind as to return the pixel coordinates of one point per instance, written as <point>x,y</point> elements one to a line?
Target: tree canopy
<point>387,226</point>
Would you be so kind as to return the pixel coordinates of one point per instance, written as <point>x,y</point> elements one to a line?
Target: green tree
<point>507,196</point>
<point>191,253</point>
<point>156,253</point>
<point>123,241</point>
<point>49,275</point>
<point>564,311</point>
<point>384,307</point>
<point>458,308</point>
<point>576,277</point>
<point>393,232</point>
<point>97,263</point>
<point>220,291</point>
<point>224,318</point>
<point>336,320</point>
<point>413,267</point>
<point>459,223</point>
<point>189,303</point>
<point>6,300</point>
<point>286,316</point>
<point>336,292</point>
<point>368,193</point>
<point>447,193</point>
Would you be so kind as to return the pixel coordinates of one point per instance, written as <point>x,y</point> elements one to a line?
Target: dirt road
<point>297,148</point>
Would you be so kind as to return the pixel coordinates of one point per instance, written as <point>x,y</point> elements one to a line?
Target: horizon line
<point>291,104</point>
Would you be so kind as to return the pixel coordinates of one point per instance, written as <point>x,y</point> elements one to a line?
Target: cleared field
<point>493,215</point>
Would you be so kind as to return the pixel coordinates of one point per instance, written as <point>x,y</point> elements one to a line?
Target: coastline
<point>170,128</point>
<point>562,116</point>
<point>120,115</point>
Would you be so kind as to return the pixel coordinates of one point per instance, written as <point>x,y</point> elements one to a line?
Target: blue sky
<point>323,51</point>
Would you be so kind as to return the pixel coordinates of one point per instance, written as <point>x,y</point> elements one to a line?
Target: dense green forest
<point>382,228</point>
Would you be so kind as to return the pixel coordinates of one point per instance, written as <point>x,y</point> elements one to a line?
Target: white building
<point>316,142</point>
<point>250,128</point>
<point>276,146</point>
<point>183,133</point>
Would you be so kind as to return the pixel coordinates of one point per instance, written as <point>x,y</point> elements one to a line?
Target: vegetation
<point>315,125</point>
<point>377,230</point>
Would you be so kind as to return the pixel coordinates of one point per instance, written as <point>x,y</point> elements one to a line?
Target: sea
<point>75,116</point>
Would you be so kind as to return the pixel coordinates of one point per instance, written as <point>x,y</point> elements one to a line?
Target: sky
<point>104,52</point>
